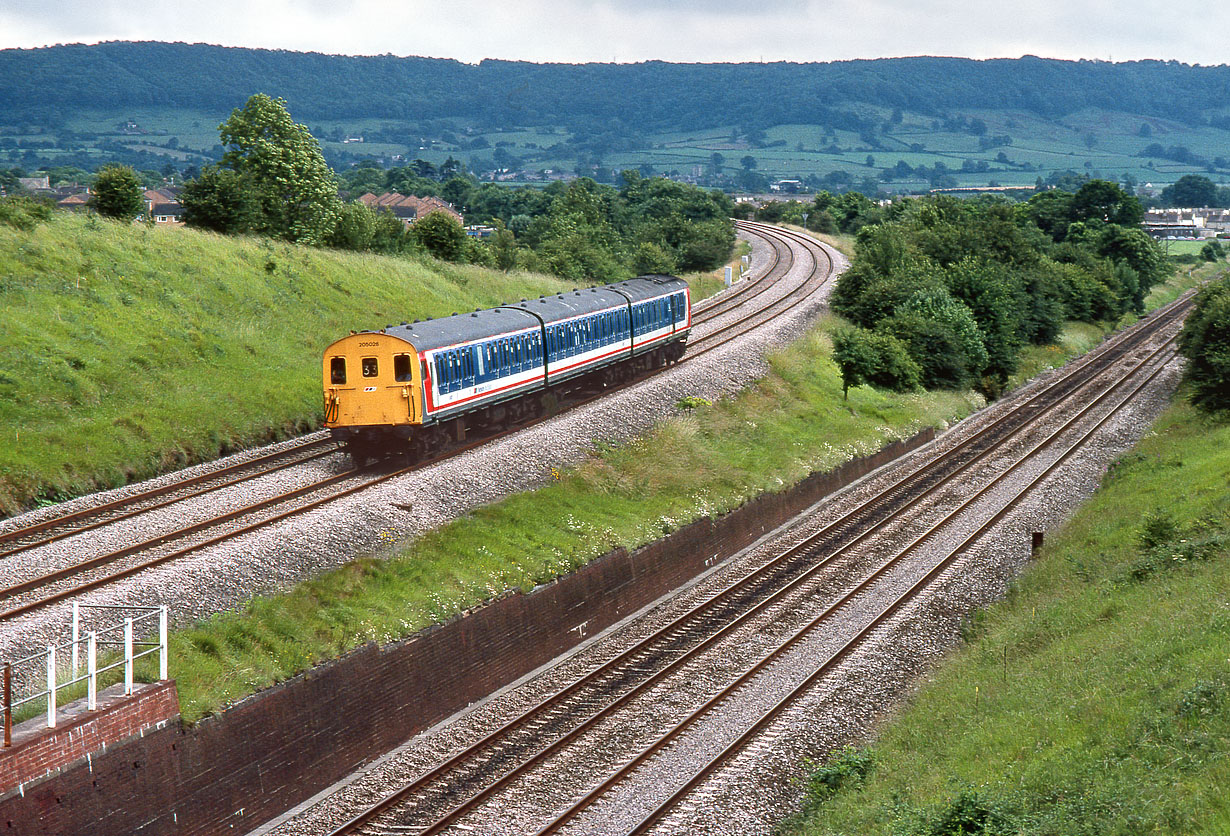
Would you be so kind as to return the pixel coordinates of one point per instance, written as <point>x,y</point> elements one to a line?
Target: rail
<point>123,632</point>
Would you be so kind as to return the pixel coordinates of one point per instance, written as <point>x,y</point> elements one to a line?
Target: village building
<point>409,208</point>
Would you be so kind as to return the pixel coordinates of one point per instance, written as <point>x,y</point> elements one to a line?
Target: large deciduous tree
<point>117,193</point>
<point>440,234</point>
<point>293,189</point>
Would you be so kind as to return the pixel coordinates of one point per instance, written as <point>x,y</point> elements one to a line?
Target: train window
<point>401,367</point>
<point>337,370</point>
<point>370,367</point>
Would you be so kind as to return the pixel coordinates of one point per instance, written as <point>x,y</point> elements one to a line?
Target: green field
<point>1096,143</point>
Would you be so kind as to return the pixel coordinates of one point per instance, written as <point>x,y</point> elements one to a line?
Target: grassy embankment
<point>1096,698</point>
<point>129,350</point>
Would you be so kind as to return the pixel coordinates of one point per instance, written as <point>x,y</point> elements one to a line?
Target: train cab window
<point>401,367</point>
<point>337,370</point>
<point>370,367</point>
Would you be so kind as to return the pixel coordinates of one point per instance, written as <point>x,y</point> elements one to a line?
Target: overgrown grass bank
<point>705,461</point>
<point>128,350</point>
<point>1096,698</point>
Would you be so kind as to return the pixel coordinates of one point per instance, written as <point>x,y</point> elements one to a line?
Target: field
<point>1095,143</point>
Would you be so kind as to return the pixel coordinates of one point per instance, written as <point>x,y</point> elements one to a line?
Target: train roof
<point>509,319</point>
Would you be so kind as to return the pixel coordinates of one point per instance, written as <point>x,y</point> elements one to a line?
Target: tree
<point>293,189</point>
<point>716,161</point>
<point>117,193</point>
<point>1191,190</point>
<point>748,162</point>
<point>219,200</point>
<point>440,234</point>
<point>1105,201</point>
<point>1205,342</point>
<point>356,227</point>
<point>864,356</point>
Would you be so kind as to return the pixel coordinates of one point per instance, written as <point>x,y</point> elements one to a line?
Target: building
<point>1187,223</point>
<point>163,206</point>
<point>409,208</point>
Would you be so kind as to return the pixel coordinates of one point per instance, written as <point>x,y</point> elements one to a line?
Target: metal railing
<point>92,640</point>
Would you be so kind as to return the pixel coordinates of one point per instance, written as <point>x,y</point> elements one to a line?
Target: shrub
<point>864,356</point>
<point>1205,342</point>
<point>847,767</point>
<point>970,813</point>
<point>21,212</point>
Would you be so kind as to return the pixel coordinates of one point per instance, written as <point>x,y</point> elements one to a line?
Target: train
<point>414,389</point>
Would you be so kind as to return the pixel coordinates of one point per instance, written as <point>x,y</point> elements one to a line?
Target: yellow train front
<point>417,388</point>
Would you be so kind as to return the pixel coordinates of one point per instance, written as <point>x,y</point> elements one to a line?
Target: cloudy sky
<point>638,30</point>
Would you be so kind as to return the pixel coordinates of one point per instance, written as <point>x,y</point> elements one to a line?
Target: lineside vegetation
<point>1096,698</point>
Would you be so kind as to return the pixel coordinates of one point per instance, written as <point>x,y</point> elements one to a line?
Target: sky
<point>625,31</point>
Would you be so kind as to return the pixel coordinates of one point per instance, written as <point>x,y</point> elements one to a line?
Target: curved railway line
<point>800,596</point>
<point>716,321</point>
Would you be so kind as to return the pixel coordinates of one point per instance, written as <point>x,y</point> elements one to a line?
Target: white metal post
<point>162,641</point>
<point>51,686</point>
<point>76,636</point>
<point>91,663</point>
<point>127,655</point>
<point>728,272</point>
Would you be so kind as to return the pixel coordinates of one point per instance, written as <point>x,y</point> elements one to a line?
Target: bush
<point>21,212</point>
<point>440,234</point>
<point>864,356</point>
<point>938,350</point>
<point>1205,342</point>
<point>847,767</point>
<point>970,813</point>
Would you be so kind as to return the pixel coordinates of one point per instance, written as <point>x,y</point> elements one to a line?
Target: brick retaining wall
<point>277,748</point>
<point>38,751</point>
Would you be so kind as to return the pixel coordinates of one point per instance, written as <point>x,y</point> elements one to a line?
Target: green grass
<point>129,350</point>
<point>1096,698</point>
<point>704,461</point>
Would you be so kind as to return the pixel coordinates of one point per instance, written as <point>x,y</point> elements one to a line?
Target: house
<point>164,207</point>
<point>74,202</point>
<point>1186,223</point>
<point>409,208</point>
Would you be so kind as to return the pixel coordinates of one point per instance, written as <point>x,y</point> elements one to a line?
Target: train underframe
<point>417,443</point>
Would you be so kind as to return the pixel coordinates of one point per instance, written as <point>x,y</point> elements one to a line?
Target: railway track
<point>29,590</point>
<point>797,595</point>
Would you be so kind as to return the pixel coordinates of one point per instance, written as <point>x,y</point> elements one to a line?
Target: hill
<point>158,104</point>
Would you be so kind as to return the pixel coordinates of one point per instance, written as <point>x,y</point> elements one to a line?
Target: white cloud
<point>637,30</point>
